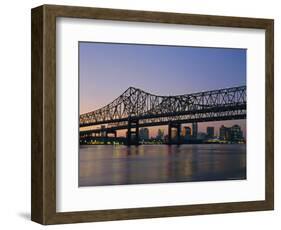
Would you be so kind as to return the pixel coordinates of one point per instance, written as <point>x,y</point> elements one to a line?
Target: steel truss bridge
<point>136,108</point>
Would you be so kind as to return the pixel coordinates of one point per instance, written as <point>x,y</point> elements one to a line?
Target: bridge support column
<point>171,126</point>
<point>133,131</point>
<point>179,134</point>
<point>169,134</point>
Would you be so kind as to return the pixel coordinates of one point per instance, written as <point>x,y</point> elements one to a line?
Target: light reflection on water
<point>116,165</point>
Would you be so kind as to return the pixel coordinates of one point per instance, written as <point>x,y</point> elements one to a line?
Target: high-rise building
<point>224,133</point>
<point>232,134</point>
<point>236,133</point>
<point>160,134</point>
<point>194,130</point>
<point>210,132</point>
<point>201,136</point>
<point>103,132</point>
<point>143,134</point>
<point>186,133</point>
<point>174,134</point>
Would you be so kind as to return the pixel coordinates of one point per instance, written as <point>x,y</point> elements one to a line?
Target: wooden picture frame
<point>43,208</point>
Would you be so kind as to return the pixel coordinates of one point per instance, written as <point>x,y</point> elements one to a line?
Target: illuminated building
<point>174,134</point>
<point>160,134</point>
<point>186,133</point>
<point>224,133</point>
<point>210,132</point>
<point>232,134</point>
<point>194,130</point>
<point>144,134</point>
<point>236,133</point>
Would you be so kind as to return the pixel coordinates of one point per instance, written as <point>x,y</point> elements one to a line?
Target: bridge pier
<point>176,126</point>
<point>134,131</point>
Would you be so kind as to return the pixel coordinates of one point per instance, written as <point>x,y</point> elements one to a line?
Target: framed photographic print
<point>140,114</point>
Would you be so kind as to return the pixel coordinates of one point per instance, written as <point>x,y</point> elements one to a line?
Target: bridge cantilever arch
<point>136,108</point>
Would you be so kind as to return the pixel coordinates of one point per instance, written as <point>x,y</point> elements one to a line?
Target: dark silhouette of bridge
<point>136,108</point>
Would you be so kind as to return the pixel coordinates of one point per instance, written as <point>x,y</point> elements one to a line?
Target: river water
<point>117,165</point>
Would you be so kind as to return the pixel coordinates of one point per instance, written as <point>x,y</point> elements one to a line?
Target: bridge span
<point>136,108</point>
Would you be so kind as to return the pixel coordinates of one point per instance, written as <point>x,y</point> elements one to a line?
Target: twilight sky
<point>106,70</point>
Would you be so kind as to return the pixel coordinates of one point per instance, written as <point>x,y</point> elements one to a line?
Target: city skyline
<point>161,70</point>
<point>216,133</point>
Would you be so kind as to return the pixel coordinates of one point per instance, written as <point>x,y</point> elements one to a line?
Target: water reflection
<point>115,165</point>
